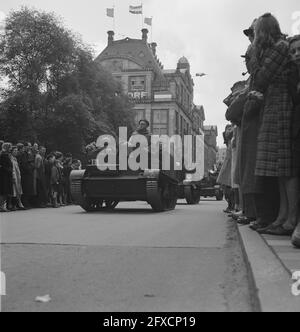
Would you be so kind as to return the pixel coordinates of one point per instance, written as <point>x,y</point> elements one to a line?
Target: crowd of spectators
<point>262,168</point>
<point>31,178</point>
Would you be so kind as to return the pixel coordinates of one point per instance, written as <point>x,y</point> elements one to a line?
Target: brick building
<point>163,97</point>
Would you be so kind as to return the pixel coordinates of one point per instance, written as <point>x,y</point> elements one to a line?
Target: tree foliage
<point>56,95</point>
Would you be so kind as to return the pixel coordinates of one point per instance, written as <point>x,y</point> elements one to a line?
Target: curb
<point>270,277</point>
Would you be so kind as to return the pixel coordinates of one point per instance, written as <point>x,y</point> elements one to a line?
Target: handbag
<point>235,111</point>
<point>252,108</point>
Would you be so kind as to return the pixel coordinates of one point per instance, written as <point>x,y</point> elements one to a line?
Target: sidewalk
<point>289,256</point>
<point>272,261</point>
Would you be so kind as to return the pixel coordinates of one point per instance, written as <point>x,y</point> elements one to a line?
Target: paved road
<point>127,260</point>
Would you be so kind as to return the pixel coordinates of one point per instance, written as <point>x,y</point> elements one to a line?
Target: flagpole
<point>151,29</point>
<point>114,22</point>
<point>142,14</point>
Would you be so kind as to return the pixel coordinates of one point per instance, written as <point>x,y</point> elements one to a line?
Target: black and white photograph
<point>149,159</point>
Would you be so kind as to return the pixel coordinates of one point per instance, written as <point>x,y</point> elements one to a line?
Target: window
<point>160,122</point>
<point>181,125</point>
<point>176,123</point>
<point>140,115</point>
<point>137,83</point>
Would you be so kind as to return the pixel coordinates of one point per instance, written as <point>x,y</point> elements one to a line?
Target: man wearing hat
<point>250,32</point>
<point>143,129</point>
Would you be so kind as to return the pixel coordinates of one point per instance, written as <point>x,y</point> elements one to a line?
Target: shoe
<point>280,231</point>
<point>245,220</point>
<point>4,210</point>
<point>227,210</point>
<point>296,237</point>
<point>264,230</point>
<point>259,224</point>
<point>236,216</point>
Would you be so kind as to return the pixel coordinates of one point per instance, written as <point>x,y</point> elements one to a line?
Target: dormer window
<point>137,83</point>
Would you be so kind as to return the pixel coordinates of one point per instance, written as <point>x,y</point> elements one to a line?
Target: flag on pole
<point>136,9</point>
<point>110,12</point>
<point>148,21</point>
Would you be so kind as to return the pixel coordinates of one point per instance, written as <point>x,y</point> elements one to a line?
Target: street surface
<point>130,259</point>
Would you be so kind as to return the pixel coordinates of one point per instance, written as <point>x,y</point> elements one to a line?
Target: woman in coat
<point>274,149</point>
<point>17,185</point>
<point>26,163</point>
<point>6,177</point>
<point>224,178</point>
<point>294,88</point>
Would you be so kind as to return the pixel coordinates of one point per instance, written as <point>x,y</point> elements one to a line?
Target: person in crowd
<point>27,163</point>
<point>40,178</point>
<point>294,88</point>
<point>235,102</point>
<point>143,128</point>
<point>61,179</point>
<point>54,180</point>
<point>274,152</point>
<point>260,195</point>
<point>35,149</point>
<point>76,165</point>
<point>49,162</point>
<point>17,183</point>
<point>1,198</point>
<point>67,169</point>
<point>250,32</point>
<point>224,177</point>
<point>234,170</point>
<point>21,150</point>
<point>6,177</point>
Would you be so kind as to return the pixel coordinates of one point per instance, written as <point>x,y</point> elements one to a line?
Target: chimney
<point>110,37</point>
<point>153,46</point>
<point>145,35</point>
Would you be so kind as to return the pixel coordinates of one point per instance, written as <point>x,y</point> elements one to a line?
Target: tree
<point>56,93</point>
<point>70,126</point>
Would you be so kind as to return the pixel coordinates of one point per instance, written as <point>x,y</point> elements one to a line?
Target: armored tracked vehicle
<point>96,190</point>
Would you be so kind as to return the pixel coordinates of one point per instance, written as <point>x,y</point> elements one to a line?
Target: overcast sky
<point>207,32</point>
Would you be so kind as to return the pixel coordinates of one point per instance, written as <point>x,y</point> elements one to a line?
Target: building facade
<point>163,97</point>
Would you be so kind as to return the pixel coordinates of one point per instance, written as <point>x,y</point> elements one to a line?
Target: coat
<point>6,175</point>
<point>27,173</point>
<point>39,172</point>
<point>294,89</point>
<point>248,148</point>
<point>247,112</point>
<point>17,184</point>
<point>235,158</point>
<point>274,146</point>
<point>225,174</point>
